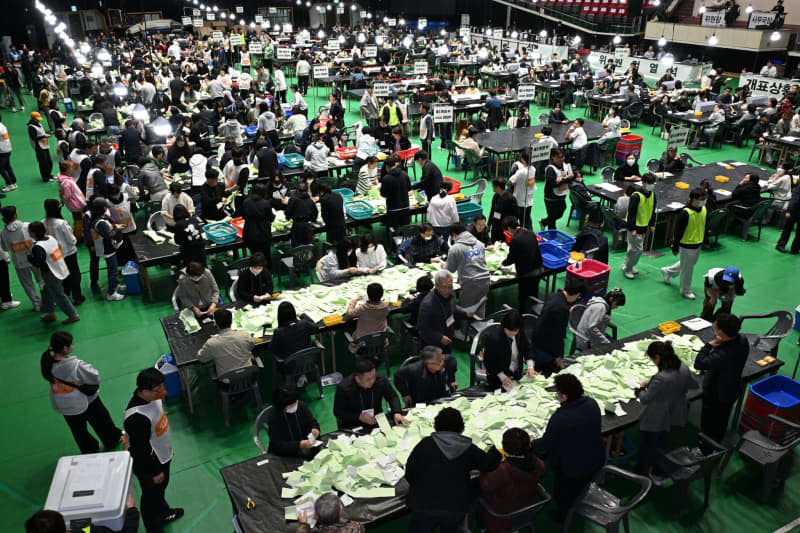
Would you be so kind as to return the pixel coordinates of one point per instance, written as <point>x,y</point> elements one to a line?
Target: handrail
<point>633,27</point>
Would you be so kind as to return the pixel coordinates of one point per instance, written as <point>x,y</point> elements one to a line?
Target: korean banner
<point>761,19</point>
<point>381,89</point>
<point>540,151</point>
<point>677,137</point>
<point>764,86</point>
<point>320,71</point>
<point>713,19</point>
<point>442,113</point>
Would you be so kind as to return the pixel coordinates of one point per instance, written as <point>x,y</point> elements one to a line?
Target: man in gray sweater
<point>467,257</point>
<point>198,290</point>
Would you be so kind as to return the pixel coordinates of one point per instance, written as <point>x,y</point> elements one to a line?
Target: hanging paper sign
<point>255,48</point>
<point>526,92</point>
<point>273,10</point>
<point>259,19</point>
<point>420,67</point>
<point>442,113</point>
<point>422,24</point>
<point>186,21</point>
<point>287,28</point>
<point>541,152</point>
<point>463,32</point>
<point>391,22</point>
<point>216,35</point>
<point>196,13</point>
<point>283,52</point>
<point>371,50</point>
<point>340,10</point>
<point>211,16</point>
<point>381,89</point>
<point>320,71</point>
<point>333,44</point>
<point>363,14</point>
<point>197,23</point>
<point>465,19</point>
<point>677,137</point>
<point>498,33</point>
<point>240,9</point>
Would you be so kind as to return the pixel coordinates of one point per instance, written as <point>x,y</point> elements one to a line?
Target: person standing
<point>665,403</point>
<point>105,238</point>
<point>5,160</point>
<point>551,327</point>
<point>331,207</point>
<point>16,241</point>
<point>641,217</point>
<point>438,473</point>
<point>6,300</point>
<point>690,232</point>
<point>722,285</point>
<point>150,446</point>
<point>46,256</point>
<point>431,180</point>
<point>722,360</point>
<point>61,230</point>
<point>558,176</point>
<point>504,205</point>
<point>302,69</point>
<point>524,254</point>
<point>395,186</point>
<point>427,134</point>
<point>524,183</point>
<point>258,217</point>
<point>792,221</point>
<point>369,107</point>
<point>41,145</point>
<point>572,442</point>
<point>506,352</point>
<point>467,257</point>
<point>73,393</point>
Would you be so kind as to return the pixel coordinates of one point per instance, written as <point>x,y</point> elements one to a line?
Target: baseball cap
<point>731,274</point>
<point>36,115</point>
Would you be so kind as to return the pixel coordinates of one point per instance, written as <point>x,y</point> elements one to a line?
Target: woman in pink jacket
<point>71,196</point>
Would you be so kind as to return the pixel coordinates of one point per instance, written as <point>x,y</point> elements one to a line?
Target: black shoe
<point>95,287</point>
<point>79,301</point>
<point>781,249</point>
<point>173,515</point>
<point>795,252</point>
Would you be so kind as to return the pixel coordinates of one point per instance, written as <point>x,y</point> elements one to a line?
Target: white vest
<point>111,159</point>
<point>44,144</point>
<point>19,243</point>
<point>99,249</point>
<point>76,158</point>
<point>160,439</point>
<point>91,177</point>
<point>121,214</point>
<point>232,173</point>
<point>55,258</point>
<point>66,399</point>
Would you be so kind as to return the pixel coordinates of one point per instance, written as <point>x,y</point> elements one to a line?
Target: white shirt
<point>5,140</point>
<point>302,68</point>
<point>299,101</point>
<point>579,139</point>
<point>768,71</point>
<point>373,258</point>
<point>297,123</point>
<point>523,192</point>
<point>169,202</point>
<point>442,212</point>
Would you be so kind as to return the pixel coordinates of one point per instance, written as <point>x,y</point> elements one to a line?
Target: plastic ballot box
<point>91,489</point>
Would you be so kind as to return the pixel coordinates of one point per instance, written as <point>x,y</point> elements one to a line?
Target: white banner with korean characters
<point>764,86</point>
<point>649,68</point>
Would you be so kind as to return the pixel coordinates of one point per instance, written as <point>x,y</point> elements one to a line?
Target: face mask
<point>256,271</point>
<point>631,162</point>
<point>648,187</point>
<point>781,171</point>
<point>429,237</point>
<point>196,280</point>
<point>701,203</point>
<point>292,408</point>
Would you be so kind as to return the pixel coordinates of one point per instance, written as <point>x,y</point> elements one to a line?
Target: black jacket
<point>431,180</point>
<point>746,194</point>
<point>551,327</point>
<point>411,306</point>
<point>301,208</point>
<point>250,285</point>
<point>497,355</point>
<point>258,217</point>
<point>414,380</point>
<point>394,187</point>
<point>286,430</point>
<point>332,207</point>
<point>524,253</point>
<point>130,144</point>
<point>289,339</point>
<point>669,164</point>
<point>209,198</point>
<point>189,238</point>
<point>268,166</point>
<point>438,474</point>
<point>572,441</point>
<point>625,171</point>
<point>138,428</point>
<point>351,400</point>
<point>434,313</point>
<point>482,236</point>
<point>503,205</point>
<point>723,365</point>
<point>174,154</point>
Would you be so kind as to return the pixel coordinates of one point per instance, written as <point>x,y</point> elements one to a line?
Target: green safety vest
<point>696,228</point>
<point>645,211</point>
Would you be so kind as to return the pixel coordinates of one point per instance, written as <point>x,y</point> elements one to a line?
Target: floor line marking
<point>21,497</point>
<point>788,527</point>
<point>200,518</point>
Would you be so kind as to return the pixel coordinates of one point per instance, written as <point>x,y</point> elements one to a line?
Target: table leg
<point>183,374</point>
<point>333,349</point>
<point>145,277</point>
<point>618,449</point>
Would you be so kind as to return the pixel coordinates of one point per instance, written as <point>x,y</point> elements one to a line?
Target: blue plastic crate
<point>467,211</point>
<point>250,131</point>
<point>359,210</point>
<point>559,238</point>
<point>220,232</point>
<point>777,391</point>
<point>293,160</point>
<point>347,194</point>
<point>553,256</point>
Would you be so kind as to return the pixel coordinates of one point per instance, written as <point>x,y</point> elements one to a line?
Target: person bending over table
<point>302,211</point>
<point>291,426</point>
<point>671,161</point>
<point>628,171</point>
<point>641,216</point>
<point>550,328</point>
<point>329,514</point>
<point>595,319</point>
<point>438,313</point>
<point>438,473</point>
<point>395,186</point>
<point>431,377</point>
<point>479,230</point>
<point>505,352</point>
<point>212,193</point>
<point>198,290</point>
<point>371,315</point>
<point>723,285</point>
<point>722,360</point>
<point>358,398</point>
<point>572,442</point>
<point>254,284</point>
<point>229,349</point>
<point>514,484</point>
<point>524,254</point>
<point>467,258</point>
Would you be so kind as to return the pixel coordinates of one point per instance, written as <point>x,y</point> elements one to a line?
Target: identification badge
<point>370,412</point>
<point>450,321</point>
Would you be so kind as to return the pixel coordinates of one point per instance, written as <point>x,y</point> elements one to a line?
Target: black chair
<point>688,157</point>
<point>769,341</point>
<point>236,267</point>
<point>298,260</point>
<point>575,315</point>
<point>577,204</point>
<point>477,370</point>
<point>748,216</point>
<point>608,174</point>
<point>374,346</point>
<point>258,425</point>
<point>633,112</point>
<point>452,155</point>
<point>740,132</point>
<point>684,465</point>
<point>775,458</point>
<point>478,165</point>
<point>604,508</point>
<point>610,219</point>
<point>544,119</point>
<point>233,385</point>
<point>717,222</point>
<point>521,519</point>
<point>402,233</point>
<point>300,363</point>
<point>474,326</point>
<point>654,165</point>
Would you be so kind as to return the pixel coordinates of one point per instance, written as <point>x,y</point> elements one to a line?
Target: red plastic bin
<point>405,155</point>
<point>456,188</point>
<point>594,275</point>
<point>628,144</point>
<point>346,152</point>
<point>238,223</point>
<point>778,395</point>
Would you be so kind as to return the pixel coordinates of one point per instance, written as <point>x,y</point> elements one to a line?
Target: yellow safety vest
<point>394,120</point>
<point>696,228</point>
<point>645,211</point>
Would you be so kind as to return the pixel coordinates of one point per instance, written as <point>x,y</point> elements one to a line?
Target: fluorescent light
<point>341,39</point>
<point>514,34</point>
<point>543,33</point>
<point>321,34</point>
<point>662,42</point>
<point>713,40</point>
<point>379,40</point>
<point>361,37</point>
<point>402,22</point>
<point>702,10</point>
<point>774,36</point>
<point>617,39</point>
<point>749,9</point>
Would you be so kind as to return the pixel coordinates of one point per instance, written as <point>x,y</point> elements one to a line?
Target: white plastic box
<point>91,489</point>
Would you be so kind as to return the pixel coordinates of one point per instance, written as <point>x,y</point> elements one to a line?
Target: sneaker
<point>301,381</point>
<point>688,295</point>
<point>5,306</point>
<point>115,297</point>
<point>37,308</point>
<point>72,319</point>
<point>780,248</point>
<point>628,275</point>
<point>9,188</point>
<point>13,109</point>
<point>667,278</point>
<point>635,271</point>
<point>173,514</point>
<point>49,317</point>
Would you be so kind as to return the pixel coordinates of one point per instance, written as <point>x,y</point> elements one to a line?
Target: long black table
<point>515,140</point>
<point>670,199</point>
<point>260,478</point>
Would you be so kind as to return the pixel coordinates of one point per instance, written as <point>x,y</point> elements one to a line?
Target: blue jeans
<point>111,270</point>
<point>424,524</point>
<point>53,294</point>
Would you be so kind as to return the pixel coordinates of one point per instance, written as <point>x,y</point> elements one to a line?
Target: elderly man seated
<point>432,377</point>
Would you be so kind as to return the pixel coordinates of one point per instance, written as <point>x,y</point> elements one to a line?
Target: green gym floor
<point>121,338</point>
